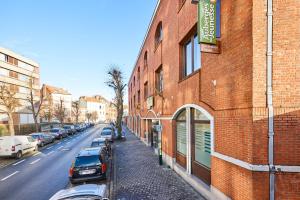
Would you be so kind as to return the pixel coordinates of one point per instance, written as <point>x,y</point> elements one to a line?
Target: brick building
<point>227,117</point>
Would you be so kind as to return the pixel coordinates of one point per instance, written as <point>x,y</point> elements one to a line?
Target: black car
<point>90,165</point>
<point>78,128</point>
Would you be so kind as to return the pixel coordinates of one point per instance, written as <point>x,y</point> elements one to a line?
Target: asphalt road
<point>40,176</point>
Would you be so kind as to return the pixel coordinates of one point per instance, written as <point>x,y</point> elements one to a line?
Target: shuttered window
<point>202,144</point>
<point>181,133</point>
<point>181,137</point>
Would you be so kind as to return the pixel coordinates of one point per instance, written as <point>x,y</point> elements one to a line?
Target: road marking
<point>36,153</point>
<point>19,162</point>
<point>68,142</point>
<point>9,175</point>
<point>51,152</point>
<point>59,143</point>
<point>35,161</point>
<point>60,147</point>
<point>50,147</point>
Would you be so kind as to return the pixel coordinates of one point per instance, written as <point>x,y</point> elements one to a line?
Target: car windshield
<point>98,143</point>
<point>87,161</point>
<point>54,130</point>
<point>106,133</point>
<point>82,197</point>
<point>35,136</point>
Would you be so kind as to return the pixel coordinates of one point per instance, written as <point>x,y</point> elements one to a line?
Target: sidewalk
<point>138,175</point>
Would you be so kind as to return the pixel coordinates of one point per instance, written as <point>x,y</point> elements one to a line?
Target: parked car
<point>17,146</point>
<point>42,138</point>
<point>78,128</point>
<point>62,133</point>
<point>90,165</point>
<point>70,129</point>
<point>100,143</point>
<point>87,192</point>
<point>53,134</point>
<point>107,134</point>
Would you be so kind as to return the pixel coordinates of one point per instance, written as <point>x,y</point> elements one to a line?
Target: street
<point>46,172</point>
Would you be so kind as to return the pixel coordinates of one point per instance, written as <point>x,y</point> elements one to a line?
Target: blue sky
<point>75,41</point>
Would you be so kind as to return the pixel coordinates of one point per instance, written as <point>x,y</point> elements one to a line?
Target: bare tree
<point>60,112</point>
<point>115,82</point>
<point>76,110</point>
<point>88,115</point>
<point>35,105</point>
<point>94,116</point>
<point>9,102</point>
<point>47,110</point>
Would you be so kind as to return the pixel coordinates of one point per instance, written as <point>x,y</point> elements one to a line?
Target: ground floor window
<point>198,159</point>
<point>181,133</point>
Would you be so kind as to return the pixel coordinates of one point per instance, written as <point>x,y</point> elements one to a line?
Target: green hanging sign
<point>207,21</point>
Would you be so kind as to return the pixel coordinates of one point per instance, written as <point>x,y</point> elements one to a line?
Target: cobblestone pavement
<point>139,176</point>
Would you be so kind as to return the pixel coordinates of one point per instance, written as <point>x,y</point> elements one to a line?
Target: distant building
<point>53,96</point>
<point>96,104</point>
<point>16,72</point>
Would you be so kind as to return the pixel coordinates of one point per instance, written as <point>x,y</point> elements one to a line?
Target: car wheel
<point>19,155</point>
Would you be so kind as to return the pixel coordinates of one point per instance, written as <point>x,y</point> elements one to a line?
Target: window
<point>192,56</point>
<point>133,81</point>
<point>3,57</point>
<point>159,79</point>
<point>23,78</point>
<point>25,66</point>
<point>134,100</point>
<point>4,72</point>
<point>14,88</point>
<point>139,97</point>
<point>24,90</point>
<point>145,90</point>
<point>218,19</point>
<point>181,133</point>
<point>146,60</point>
<point>13,74</point>
<point>138,75</point>
<point>12,60</point>
<point>202,138</point>
<point>158,34</point>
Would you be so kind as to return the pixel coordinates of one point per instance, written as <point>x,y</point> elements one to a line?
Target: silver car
<point>107,134</point>
<point>42,138</point>
<point>87,192</point>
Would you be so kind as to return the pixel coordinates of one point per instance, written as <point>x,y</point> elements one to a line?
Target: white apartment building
<point>92,105</point>
<point>16,72</point>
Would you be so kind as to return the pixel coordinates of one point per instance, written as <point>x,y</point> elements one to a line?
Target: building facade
<point>226,117</point>
<point>96,104</point>
<point>16,72</point>
<point>53,98</point>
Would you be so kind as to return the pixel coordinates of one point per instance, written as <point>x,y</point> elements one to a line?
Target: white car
<point>16,146</point>
<point>107,134</point>
<point>86,192</point>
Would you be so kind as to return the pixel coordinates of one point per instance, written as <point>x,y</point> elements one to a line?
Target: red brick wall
<point>238,100</point>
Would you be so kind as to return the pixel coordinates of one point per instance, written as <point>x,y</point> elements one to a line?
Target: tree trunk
<point>37,129</point>
<point>11,124</point>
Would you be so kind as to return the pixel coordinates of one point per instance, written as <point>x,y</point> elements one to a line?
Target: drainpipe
<point>270,97</point>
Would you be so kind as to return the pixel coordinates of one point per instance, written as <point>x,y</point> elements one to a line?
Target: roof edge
<point>145,38</point>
